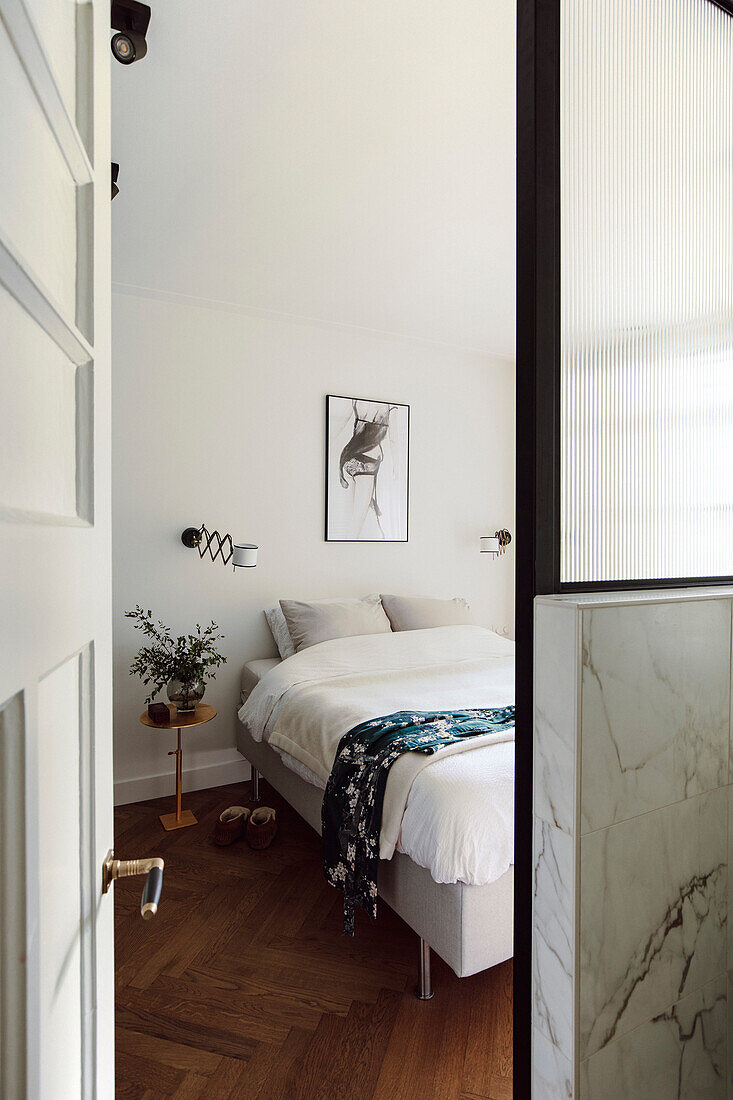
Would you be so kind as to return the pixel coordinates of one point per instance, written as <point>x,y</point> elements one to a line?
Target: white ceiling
<point>346,160</point>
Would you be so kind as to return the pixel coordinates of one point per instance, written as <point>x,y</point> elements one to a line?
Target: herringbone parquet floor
<point>243,986</point>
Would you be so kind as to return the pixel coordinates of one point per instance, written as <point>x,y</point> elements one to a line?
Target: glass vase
<point>185,696</point>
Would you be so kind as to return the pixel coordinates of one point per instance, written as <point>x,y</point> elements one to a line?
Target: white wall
<point>219,417</point>
<point>313,198</point>
<point>345,160</point>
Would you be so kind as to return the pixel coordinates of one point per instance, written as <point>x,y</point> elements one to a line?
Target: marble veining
<point>552,1072</point>
<point>632,991</point>
<point>655,707</point>
<point>680,1054</point>
<point>653,915</point>
<point>555,718</point>
<point>553,954</point>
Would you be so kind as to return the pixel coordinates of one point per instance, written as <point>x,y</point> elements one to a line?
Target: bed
<point>447,836</point>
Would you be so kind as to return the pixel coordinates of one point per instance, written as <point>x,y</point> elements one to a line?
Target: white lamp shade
<point>245,555</point>
<point>489,544</point>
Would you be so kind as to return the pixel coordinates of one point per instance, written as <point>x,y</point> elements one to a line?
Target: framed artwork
<point>367,470</point>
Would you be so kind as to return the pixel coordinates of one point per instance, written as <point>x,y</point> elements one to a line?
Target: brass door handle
<point>125,868</point>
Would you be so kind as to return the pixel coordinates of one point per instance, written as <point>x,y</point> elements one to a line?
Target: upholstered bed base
<point>470,927</point>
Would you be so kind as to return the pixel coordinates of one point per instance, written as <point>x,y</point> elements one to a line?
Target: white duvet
<point>452,812</point>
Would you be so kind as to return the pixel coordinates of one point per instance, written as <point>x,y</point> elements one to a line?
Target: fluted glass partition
<point>646,290</point>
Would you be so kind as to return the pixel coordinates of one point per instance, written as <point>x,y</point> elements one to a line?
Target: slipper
<point>231,825</point>
<point>261,827</point>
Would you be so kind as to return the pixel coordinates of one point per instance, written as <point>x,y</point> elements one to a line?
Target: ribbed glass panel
<point>647,290</point>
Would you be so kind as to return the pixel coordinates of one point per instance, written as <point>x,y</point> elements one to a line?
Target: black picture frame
<point>327,467</point>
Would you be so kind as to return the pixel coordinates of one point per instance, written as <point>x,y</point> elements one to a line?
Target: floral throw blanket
<point>352,805</point>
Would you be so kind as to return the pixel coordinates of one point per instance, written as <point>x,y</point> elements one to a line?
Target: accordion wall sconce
<point>495,544</point>
<point>242,555</point>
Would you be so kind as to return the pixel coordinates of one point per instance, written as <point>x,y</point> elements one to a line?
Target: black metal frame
<point>538,439</point>
<point>538,453</point>
<point>398,404</point>
<point>538,122</point>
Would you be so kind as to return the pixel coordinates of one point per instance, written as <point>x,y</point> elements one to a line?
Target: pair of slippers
<point>260,826</point>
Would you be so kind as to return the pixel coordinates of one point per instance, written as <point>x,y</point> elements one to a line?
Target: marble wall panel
<point>653,904</point>
<point>655,706</point>
<point>552,1072</point>
<point>680,1054</point>
<point>556,719</point>
<point>553,935</point>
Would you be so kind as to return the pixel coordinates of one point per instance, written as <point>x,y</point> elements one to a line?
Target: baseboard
<point>233,769</point>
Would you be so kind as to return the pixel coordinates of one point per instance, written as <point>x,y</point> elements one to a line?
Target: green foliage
<point>188,658</point>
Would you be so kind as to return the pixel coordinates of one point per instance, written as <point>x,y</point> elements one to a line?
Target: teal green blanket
<point>352,805</point>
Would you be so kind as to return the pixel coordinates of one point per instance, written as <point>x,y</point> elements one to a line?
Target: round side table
<point>203,713</point>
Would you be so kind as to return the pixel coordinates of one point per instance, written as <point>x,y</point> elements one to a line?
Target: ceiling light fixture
<point>130,19</point>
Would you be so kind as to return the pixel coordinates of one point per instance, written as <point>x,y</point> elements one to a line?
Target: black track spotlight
<point>128,46</point>
<point>115,175</point>
<point>130,19</point>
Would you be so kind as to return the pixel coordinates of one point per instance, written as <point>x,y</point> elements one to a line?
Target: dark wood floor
<point>243,985</point>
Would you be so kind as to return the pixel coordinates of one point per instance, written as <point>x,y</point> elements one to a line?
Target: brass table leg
<point>181,818</point>
<point>179,777</point>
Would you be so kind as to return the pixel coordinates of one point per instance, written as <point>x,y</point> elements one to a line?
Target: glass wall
<point>646,290</point>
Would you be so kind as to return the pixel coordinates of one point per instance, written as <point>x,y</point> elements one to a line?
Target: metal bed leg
<point>255,784</point>
<point>424,991</point>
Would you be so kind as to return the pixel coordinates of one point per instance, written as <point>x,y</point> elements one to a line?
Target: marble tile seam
<point>550,820</point>
<point>653,919</point>
<point>654,810</point>
<point>696,992</point>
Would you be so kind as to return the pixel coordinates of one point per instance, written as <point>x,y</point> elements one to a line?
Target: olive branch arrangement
<point>188,658</point>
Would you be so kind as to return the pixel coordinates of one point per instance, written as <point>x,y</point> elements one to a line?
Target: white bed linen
<point>459,818</point>
<point>451,813</point>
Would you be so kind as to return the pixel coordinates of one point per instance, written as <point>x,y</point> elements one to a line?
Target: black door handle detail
<point>124,868</point>
<point>151,893</point>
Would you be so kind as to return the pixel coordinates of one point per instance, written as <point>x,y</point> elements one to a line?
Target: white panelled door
<point>56,945</point>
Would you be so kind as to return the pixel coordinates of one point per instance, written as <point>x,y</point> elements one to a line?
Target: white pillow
<point>280,632</point>
<point>321,620</point>
<point>417,613</point>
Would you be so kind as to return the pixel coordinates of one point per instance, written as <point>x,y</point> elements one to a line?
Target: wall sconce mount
<point>242,555</point>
